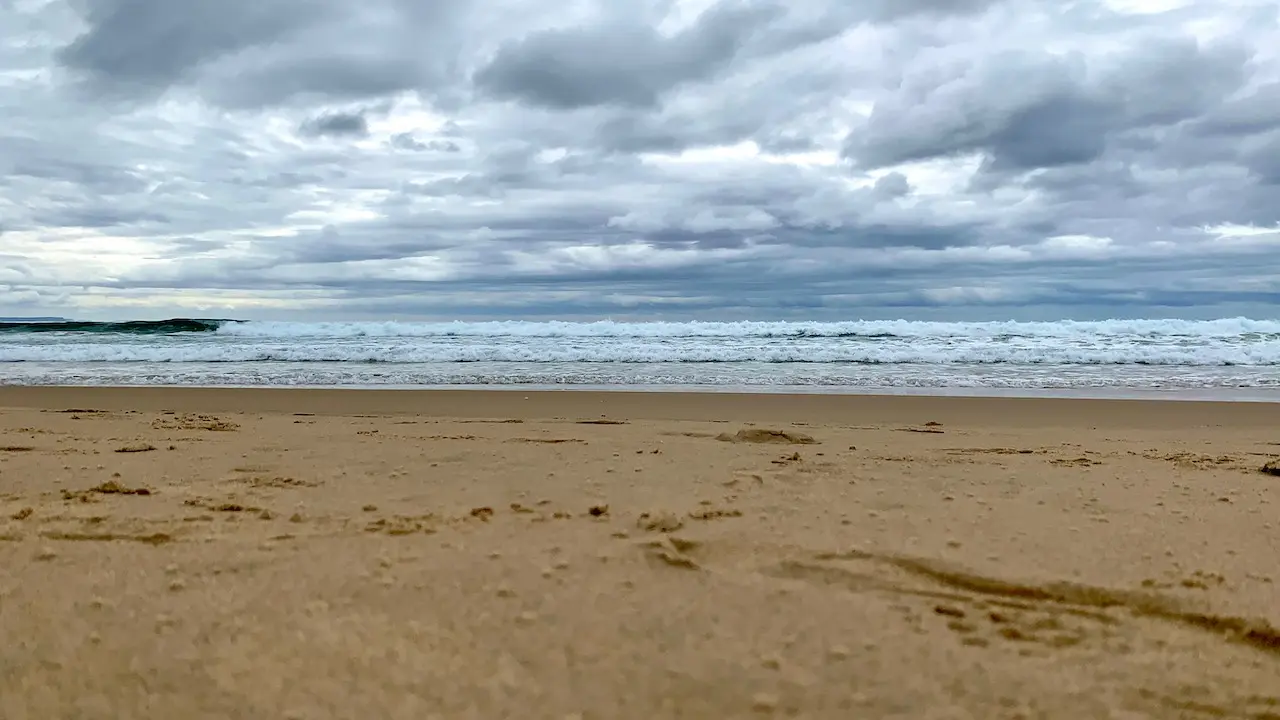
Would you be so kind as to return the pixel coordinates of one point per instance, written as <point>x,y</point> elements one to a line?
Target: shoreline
<point>1210,393</point>
<point>1263,394</point>
<point>1016,411</point>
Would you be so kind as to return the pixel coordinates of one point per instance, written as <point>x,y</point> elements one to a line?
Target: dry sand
<point>212,554</point>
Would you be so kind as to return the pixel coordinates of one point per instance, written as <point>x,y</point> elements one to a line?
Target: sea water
<point>866,356</point>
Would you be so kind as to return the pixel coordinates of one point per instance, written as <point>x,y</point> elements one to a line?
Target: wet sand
<point>400,554</point>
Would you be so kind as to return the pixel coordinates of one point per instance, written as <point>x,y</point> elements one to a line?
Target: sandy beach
<point>313,554</point>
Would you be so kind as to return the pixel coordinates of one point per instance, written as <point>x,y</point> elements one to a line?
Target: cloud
<point>407,141</point>
<point>151,43</point>
<point>1026,110</point>
<point>245,54</point>
<point>337,124</point>
<point>626,65</point>
<point>646,158</point>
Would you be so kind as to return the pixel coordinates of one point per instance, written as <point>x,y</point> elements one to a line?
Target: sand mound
<point>760,435</point>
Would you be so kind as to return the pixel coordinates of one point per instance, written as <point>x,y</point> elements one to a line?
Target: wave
<point>1227,342</point>
<point>829,353</point>
<point>131,327</point>
<point>325,377</point>
<point>1227,327</point>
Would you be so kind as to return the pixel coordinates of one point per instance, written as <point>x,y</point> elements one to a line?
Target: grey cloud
<point>155,44</point>
<point>1034,110</point>
<point>893,9</point>
<point>1169,80</point>
<point>876,235</point>
<point>637,134</point>
<point>619,64</point>
<point>246,54</point>
<point>710,239</point>
<point>1057,130</point>
<point>989,105</point>
<point>747,109</point>
<point>1263,158</point>
<point>97,217</point>
<point>407,141</point>
<point>623,64</point>
<point>25,157</point>
<point>635,67</point>
<point>782,142</point>
<point>576,162</point>
<point>336,124</point>
<point>467,185</point>
<point>1257,111</point>
<point>335,245</point>
<point>336,74</point>
<point>893,185</point>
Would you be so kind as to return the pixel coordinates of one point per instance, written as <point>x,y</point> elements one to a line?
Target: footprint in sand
<point>1054,614</point>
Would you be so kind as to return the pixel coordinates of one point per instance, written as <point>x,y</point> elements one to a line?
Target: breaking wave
<point>1227,353</point>
<point>1233,327</point>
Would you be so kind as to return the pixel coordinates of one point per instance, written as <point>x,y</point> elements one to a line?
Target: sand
<point>386,554</point>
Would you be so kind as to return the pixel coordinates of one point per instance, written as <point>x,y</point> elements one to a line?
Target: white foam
<point>1235,352</point>
<point>638,352</point>
<point>653,375</point>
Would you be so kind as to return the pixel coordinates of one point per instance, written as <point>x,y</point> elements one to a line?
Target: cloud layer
<point>304,159</point>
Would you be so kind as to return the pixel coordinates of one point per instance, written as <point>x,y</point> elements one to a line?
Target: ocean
<point>1234,357</point>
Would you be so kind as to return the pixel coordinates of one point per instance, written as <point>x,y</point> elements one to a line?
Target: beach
<point>291,553</point>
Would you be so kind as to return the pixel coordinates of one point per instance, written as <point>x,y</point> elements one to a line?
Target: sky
<point>640,159</point>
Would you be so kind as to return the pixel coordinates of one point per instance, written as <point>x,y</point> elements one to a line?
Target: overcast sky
<point>825,159</point>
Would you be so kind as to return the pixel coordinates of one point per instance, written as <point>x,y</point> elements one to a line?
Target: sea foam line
<point>827,352</point>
